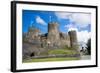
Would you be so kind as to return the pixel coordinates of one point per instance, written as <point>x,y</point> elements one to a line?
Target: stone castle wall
<point>54,38</point>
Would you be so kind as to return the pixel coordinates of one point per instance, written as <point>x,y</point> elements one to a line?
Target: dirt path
<point>86,57</point>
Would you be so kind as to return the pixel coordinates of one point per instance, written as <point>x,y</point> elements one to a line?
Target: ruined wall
<point>38,45</point>
<point>33,34</point>
<point>56,37</point>
<point>64,39</point>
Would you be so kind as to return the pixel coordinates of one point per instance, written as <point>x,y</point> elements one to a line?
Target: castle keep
<point>53,33</point>
<point>34,43</point>
<point>56,37</point>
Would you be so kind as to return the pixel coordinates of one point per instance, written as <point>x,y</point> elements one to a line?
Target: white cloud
<point>83,36</point>
<point>40,20</point>
<point>73,29</point>
<point>81,19</point>
<point>63,15</point>
<point>69,26</point>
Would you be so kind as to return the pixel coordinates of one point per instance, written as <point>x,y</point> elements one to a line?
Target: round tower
<point>73,39</point>
<point>53,32</point>
<point>53,26</point>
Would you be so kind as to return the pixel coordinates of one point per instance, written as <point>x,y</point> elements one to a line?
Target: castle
<point>51,40</point>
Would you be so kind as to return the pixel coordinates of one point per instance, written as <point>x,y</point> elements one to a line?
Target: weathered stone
<point>73,40</point>
<point>35,44</point>
<point>53,33</point>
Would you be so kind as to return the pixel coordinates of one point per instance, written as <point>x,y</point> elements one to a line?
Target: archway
<point>32,54</point>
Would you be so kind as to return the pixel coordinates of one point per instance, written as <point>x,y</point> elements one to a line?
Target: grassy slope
<point>50,59</point>
<point>63,51</point>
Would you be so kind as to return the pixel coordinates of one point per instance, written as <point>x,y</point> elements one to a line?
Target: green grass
<point>50,59</point>
<point>62,51</point>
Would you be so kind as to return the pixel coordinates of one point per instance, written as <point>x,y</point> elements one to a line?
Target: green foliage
<point>89,46</point>
<point>24,37</point>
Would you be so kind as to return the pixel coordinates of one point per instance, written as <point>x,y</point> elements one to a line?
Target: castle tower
<point>73,39</point>
<point>33,34</point>
<point>53,32</point>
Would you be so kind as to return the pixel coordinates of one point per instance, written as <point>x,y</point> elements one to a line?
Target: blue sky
<point>67,20</point>
<point>30,18</point>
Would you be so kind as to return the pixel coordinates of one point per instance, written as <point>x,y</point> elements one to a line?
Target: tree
<point>89,46</point>
<point>25,39</point>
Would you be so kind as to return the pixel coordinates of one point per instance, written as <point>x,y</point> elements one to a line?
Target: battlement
<point>53,26</point>
<point>54,36</point>
<point>54,39</point>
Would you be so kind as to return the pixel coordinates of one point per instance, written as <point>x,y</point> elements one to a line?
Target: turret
<point>53,32</point>
<point>73,39</point>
